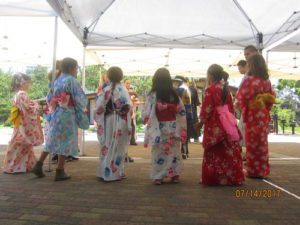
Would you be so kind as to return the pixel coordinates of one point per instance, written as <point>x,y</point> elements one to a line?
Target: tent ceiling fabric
<point>25,8</point>
<point>188,62</point>
<point>211,24</point>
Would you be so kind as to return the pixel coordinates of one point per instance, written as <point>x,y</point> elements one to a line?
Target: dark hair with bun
<point>217,73</point>
<point>18,80</point>
<point>115,75</point>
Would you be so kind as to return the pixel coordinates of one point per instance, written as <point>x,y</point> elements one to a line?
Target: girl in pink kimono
<point>165,117</point>
<point>27,132</point>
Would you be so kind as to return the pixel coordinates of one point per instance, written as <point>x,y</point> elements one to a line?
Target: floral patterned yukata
<point>256,98</point>
<point>165,130</point>
<point>19,156</point>
<point>222,161</point>
<point>66,93</point>
<point>113,118</point>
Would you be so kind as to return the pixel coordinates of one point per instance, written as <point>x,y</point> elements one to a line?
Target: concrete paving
<point>85,200</point>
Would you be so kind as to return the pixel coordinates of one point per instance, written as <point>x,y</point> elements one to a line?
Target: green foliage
<point>142,85</point>
<point>92,76</point>
<point>286,114</point>
<point>39,78</point>
<point>290,84</point>
<point>5,95</point>
<point>289,105</point>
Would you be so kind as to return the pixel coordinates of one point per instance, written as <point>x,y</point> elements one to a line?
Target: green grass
<point>140,128</point>
<point>288,130</point>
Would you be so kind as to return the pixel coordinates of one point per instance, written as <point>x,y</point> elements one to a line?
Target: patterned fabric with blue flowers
<point>62,136</point>
<point>165,138</point>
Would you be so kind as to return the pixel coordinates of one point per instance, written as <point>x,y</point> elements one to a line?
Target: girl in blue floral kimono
<point>65,96</point>
<point>113,119</point>
<point>165,117</point>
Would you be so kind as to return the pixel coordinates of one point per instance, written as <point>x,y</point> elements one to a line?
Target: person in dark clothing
<point>195,103</point>
<point>183,91</point>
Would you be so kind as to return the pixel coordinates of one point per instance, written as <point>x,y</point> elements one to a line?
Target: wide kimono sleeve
<point>149,104</point>
<point>149,118</point>
<point>26,105</point>
<point>207,106</point>
<point>181,122</point>
<point>101,101</point>
<point>245,93</point>
<point>78,95</point>
<point>30,128</point>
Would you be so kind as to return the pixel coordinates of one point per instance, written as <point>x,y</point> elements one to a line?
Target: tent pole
<point>267,58</point>
<point>282,40</point>
<point>83,68</point>
<point>54,49</point>
<point>82,139</point>
<point>53,72</point>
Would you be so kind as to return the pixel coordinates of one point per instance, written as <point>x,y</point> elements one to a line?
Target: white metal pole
<point>267,57</point>
<point>83,87</point>
<point>53,72</point>
<point>83,68</point>
<point>54,49</point>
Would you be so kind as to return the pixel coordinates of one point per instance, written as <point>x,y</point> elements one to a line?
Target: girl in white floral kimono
<point>164,115</point>
<point>113,119</point>
<point>27,132</point>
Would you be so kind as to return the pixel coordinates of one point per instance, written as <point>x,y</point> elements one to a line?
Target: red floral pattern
<point>256,121</point>
<point>222,161</point>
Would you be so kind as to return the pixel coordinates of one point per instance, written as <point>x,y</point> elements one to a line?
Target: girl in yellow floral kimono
<point>27,132</point>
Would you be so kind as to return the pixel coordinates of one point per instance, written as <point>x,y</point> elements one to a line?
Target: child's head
<point>258,67</point>
<point>115,74</point>
<point>242,66</point>
<point>216,73</point>
<point>20,81</point>
<point>69,66</point>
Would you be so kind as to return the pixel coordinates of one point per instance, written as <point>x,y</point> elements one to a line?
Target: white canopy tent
<point>225,24</point>
<point>191,24</point>
<point>167,24</point>
<point>188,62</point>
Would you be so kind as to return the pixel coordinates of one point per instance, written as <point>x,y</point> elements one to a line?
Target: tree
<point>142,84</point>
<point>40,83</point>
<point>92,76</point>
<point>5,96</point>
<point>289,93</point>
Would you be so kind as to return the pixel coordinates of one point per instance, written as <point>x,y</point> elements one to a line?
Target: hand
<point>237,106</point>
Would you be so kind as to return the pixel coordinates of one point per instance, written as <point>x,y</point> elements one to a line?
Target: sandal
<point>175,179</point>
<point>158,182</point>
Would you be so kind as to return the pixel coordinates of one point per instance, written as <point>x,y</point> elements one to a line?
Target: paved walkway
<point>85,200</point>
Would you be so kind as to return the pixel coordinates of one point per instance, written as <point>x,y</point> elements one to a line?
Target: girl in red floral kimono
<point>256,98</point>
<point>222,161</point>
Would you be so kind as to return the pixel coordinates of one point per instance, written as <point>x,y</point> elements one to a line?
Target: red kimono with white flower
<point>222,161</point>
<point>256,121</point>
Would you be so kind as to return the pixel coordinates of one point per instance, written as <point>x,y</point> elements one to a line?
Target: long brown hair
<point>258,67</point>
<point>217,74</point>
<point>163,87</point>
